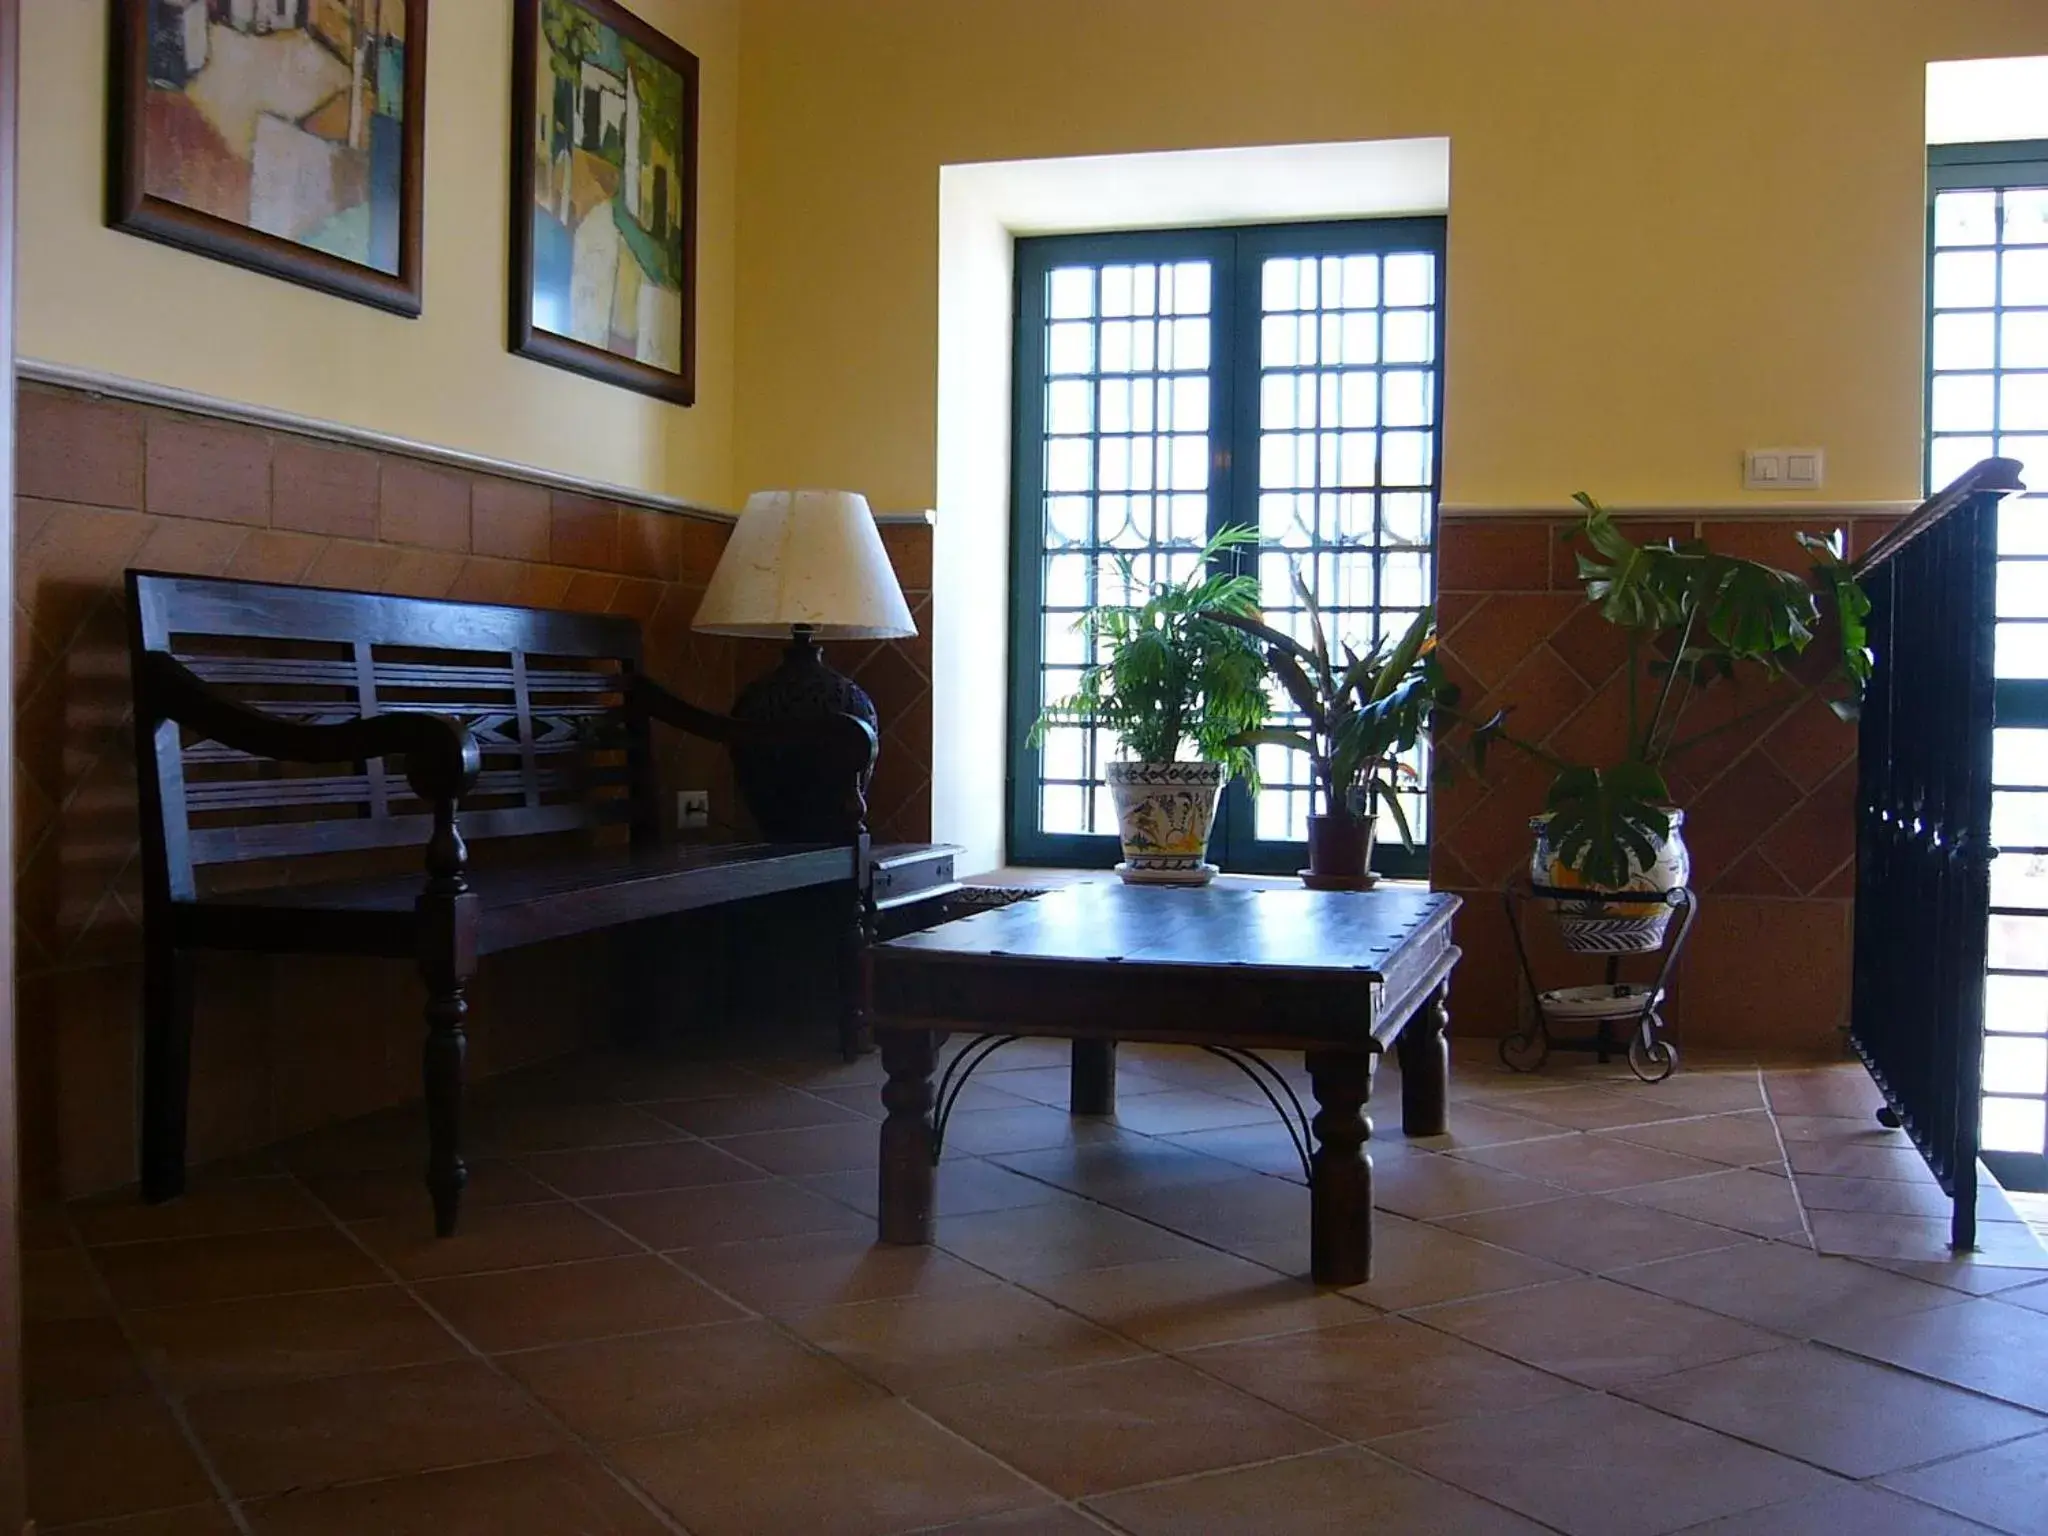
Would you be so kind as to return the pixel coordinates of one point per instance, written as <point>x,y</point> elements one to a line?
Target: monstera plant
<point>1694,619</point>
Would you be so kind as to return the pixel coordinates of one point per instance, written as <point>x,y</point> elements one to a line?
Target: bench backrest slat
<point>541,690</point>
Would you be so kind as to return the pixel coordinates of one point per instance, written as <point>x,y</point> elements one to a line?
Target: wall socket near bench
<point>1784,469</point>
<point>693,810</point>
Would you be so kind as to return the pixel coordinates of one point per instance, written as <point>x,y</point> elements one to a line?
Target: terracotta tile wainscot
<point>287,1045</point>
<point>1769,804</point>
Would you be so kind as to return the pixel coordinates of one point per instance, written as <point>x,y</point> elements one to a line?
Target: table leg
<point>904,1209</point>
<point>1091,1081</point>
<point>1340,1183</point>
<point>1425,1066</point>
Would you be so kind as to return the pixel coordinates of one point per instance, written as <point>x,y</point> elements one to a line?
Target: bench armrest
<point>441,756</point>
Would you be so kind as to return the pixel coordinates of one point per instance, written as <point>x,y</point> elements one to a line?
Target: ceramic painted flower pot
<point>1164,812</point>
<point>1340,853</point>
<point>1605,922</point>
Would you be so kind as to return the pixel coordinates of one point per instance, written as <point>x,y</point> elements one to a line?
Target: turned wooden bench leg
<point>1340,1179</point>
<point>1426,1066</point>
<point>166,1068</point>
<point>447,913</point>
<point>905,1203</point>
<point>1091,1078</point>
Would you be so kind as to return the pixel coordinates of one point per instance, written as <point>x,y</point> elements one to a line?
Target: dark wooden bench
<point>286,729</point>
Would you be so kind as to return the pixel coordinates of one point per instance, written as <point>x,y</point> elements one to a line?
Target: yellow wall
<point>1678,227</point>
<point>94,298</point>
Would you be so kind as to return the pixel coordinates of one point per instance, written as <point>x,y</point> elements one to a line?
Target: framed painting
<point>287,136</point>
<point>604,196</point>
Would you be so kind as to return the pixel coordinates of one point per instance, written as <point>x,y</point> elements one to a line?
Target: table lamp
<point>808,565</point>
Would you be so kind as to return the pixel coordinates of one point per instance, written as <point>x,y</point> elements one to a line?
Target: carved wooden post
<point>1340,1185</point>
<point>447,911</point>
<point>905,1208</point>
<point>1425,1066</point>
<point>1091,1078</point>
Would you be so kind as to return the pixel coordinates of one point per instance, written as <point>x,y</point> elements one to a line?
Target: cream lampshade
<point>805,559</point>
<point>808,565</point>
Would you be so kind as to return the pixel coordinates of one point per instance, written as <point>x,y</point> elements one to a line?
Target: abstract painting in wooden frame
<point>604,196</point>
<point>286,136</point>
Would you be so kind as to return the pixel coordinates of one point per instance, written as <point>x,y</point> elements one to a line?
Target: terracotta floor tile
<point>1051,1520</point>
<point>1329,1493</point>
<point>190,1269</point>
<point>560,1495</point>
<point>71,1360</point>
<point>728,1213</point>
<point>1590,1108</point>
<point>1028,1128</point>
<point>212,1209</point>
<point>952,1339</point>
<point>1417,1264</point>
<point>208,1519</point>
<point>315,1434</point>
<point>256,1341</point>
<point>1591,1232</point>
<point>1983,1345</point>
<point>1238,1213</point>
<point>1114,1169</point>
<point>59,1283</point>
<point>1042,1240</point>
<point>1180,1110</point>
<point>513,1129</point>
<point>718,1376</point>
<point>639,1077</point>
<point>1835,1128</point>
<point>1898,1197</point>
<point>1844,1508</point>
<point>1599,1333</point>
<point>1845,1091</point>
<point>387,1142</point>
<point>497,1237</point>
<point>1105,1427</point>
<point>1834,1410</point>
<point>815,1473</point>
<point>1427,1187</point>
<point>1736,1140</point>
<point>43,1227</point>
<point>1563,1468</point>
<point>1473,1125</point>
<point>866,1101</point>
<point>1740,1199</point>
<point>812,1149</point>
<point>1710,1092</point>
<point>1171,1304</point>
<point>966,1187</point>
<point>1967,1274</point>
<point>560,1303</point>
<point>1786,1289</point>
<point>634,1170</point>
<point>1588,1164</point>
<point>400,1194</point>
<point>1050,1085</point>
<point>110,1456</point>
<point>1858,1160</point>
<point>784,1275</point>
<point>2005,1487</point>
<point>2033,1297</point>
<point>1267,1149</point>
<point>1879,1235</point>
<point>768,1109</point>
<point>1381,1377</point>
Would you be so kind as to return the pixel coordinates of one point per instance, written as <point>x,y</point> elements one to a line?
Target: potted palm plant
<point>1694,618</point>
<point>1362,714</point>
<point>1181,689</point>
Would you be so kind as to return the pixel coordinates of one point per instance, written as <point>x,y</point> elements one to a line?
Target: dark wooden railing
<point>1923,806</point>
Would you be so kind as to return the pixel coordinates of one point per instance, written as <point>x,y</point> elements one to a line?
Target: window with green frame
<point>1171,383</point>
<point>1987,394</point>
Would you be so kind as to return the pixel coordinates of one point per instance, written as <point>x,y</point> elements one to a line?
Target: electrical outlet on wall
<point>1784,469</point>
<point>693,810</point>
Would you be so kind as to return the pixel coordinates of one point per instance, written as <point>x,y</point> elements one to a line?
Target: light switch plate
<point>1783,469</point>
<point>693,810</point>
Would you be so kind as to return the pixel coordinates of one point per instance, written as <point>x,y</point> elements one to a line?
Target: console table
<point>1232,968</point>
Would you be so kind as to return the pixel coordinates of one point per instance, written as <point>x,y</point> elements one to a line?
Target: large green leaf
<point>1599,817</point>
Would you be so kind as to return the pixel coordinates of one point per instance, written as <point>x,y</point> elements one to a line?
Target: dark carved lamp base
<point>781,788</point>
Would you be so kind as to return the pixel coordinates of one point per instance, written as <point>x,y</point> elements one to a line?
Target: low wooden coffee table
<point>1229,967</point>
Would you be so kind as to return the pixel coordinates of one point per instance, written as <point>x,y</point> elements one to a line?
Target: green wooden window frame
<point>1987,367</point>
<point>1285,345</point>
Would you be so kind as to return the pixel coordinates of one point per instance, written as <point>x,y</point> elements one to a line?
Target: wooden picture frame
<point>609,78</point>
<point>322,175</point>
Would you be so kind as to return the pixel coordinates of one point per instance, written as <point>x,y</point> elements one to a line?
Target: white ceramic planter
<point>1608,926</point>
<point>1164,812</point>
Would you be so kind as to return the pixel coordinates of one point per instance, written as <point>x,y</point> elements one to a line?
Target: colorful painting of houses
<point>284,116</point>
<point>609,191</point>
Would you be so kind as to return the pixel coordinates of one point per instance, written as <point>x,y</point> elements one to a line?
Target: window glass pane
<point>1965,279</point>
<point>2016,1005</point>
<point>2026,216</point>
<point>2020,817</point>
<point>2026,277</point>
<point>1965,341</point>
<point>2014,1125</point>
<point>2019,943</point>
<point>2021,650</point>
<point>2020,880</point>
<point>2022,590</point>
<point>1965,218</point>
<point>1963,402</point>
<point>2023,340</point>
<point>2015,1064</point>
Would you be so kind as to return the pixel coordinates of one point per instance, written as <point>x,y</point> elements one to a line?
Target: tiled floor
<point>1597,1309</point>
